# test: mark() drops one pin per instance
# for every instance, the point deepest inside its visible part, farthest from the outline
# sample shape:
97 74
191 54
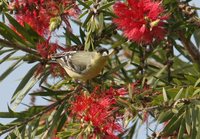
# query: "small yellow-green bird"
83 65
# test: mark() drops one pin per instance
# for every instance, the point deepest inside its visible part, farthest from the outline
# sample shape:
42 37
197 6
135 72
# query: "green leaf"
41 93
188 121
195 116
32 111
132 131
197 82
107 5
190 78
83 4
73 38
117 68
157 75
33 128
198 128
176 81
6 57
196 92
178 94
17 133
181 129
20 29
9 115
50 93
173 124
25 85
72 130
9 34
183 52
10 69
56 118
165 95
87 19
34 35
62 122
82 35
123 71
5 51
165 116
188 91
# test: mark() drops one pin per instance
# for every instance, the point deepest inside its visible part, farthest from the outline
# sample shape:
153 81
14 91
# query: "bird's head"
102 51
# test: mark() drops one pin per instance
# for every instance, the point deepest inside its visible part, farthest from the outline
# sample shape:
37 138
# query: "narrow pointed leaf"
178 94
157 75
73 38
107 5
25 85
25 80
19 28
9 34
6 57
83 4
165 95
181 129
197 83
5 51
56 118
10 69
22 93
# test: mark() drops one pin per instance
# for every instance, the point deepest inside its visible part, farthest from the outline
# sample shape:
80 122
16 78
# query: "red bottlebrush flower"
37 13
46 49
81 104
57 70
99 110
140 20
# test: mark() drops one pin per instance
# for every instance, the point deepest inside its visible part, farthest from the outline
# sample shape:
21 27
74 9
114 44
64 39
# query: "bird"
83 65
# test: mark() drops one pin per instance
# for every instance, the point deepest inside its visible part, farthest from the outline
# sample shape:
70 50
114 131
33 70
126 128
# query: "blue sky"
8 86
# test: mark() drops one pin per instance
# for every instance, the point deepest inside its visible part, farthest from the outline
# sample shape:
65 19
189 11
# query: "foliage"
152 75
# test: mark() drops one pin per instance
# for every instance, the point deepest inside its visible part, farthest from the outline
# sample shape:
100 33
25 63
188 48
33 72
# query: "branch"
190 47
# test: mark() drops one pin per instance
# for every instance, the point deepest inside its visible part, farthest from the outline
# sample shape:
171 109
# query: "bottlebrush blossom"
55 70
140 20
46 49
37 13
98 109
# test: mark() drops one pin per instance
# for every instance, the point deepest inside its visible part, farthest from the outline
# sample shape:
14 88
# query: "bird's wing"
75 60
64 54
83 58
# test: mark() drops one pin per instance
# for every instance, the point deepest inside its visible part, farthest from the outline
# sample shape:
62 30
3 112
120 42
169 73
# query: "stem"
141 60
143 56
65 19
169 55
190 47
